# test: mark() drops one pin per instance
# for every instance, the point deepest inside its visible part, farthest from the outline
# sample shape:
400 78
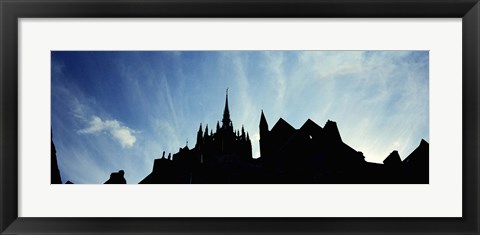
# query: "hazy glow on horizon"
121 110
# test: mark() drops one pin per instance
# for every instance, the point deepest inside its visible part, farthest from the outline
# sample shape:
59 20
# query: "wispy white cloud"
274 66
122 134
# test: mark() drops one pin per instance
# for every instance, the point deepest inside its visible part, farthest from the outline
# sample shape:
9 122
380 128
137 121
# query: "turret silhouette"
264 145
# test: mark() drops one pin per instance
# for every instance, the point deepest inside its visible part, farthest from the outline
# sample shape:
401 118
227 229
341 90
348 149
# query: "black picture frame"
12 10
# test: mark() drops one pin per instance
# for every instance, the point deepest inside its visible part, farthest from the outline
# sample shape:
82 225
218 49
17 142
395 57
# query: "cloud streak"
122 134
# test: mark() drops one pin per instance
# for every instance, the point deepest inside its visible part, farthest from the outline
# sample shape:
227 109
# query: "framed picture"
239 117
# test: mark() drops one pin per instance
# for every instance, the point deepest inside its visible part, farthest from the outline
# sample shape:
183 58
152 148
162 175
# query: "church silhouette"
308 155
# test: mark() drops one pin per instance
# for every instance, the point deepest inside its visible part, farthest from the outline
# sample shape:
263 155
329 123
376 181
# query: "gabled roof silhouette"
309 130
418 154
281 132
282 126
311 126
416 165
393 159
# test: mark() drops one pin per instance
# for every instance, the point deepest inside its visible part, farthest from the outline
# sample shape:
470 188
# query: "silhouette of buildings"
54 171
313 154
223 156
117 178
309 155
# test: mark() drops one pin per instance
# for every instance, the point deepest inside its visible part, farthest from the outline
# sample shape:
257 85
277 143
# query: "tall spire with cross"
226 122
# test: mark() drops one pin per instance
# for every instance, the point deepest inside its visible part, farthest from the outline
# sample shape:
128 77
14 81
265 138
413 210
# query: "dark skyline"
121 110
309 155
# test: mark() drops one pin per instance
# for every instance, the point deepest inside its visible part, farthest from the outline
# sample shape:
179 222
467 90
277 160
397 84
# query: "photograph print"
240 117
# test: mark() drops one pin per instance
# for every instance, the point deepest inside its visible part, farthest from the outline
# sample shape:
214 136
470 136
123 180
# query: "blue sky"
121 110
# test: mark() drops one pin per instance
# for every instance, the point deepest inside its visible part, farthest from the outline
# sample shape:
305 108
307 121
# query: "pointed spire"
243 133
263 123
199 136
226 113
218 126
265 141
206 131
